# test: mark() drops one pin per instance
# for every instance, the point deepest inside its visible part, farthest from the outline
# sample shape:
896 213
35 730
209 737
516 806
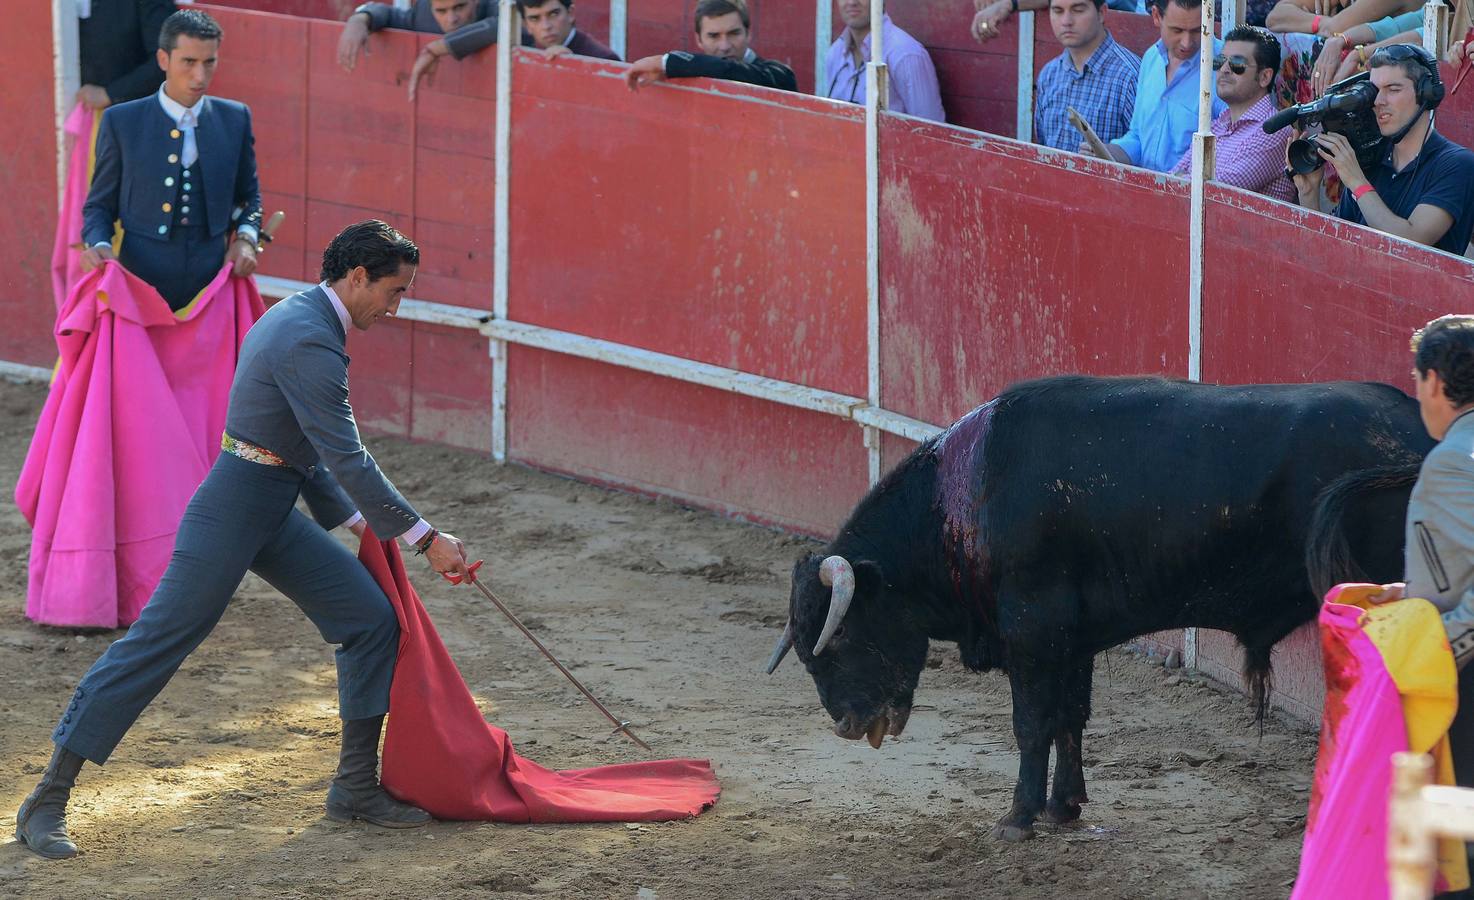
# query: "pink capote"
442 755
131 426
66 259
1390 687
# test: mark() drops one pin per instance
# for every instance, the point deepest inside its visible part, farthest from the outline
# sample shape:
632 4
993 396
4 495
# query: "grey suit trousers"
242 517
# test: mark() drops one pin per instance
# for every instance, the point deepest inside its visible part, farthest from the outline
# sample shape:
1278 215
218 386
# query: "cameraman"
1423 190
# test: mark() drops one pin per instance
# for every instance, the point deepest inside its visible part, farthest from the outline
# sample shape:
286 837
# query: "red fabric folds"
442 755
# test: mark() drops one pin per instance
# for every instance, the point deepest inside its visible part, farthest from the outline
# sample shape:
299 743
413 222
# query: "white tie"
191 149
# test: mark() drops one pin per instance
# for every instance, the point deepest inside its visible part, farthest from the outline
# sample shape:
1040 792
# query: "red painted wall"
28 184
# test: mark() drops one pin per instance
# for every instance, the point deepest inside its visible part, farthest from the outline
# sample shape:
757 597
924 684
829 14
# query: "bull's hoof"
1061 813
1013 834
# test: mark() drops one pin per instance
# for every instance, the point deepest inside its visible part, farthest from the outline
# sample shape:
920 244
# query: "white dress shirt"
421 528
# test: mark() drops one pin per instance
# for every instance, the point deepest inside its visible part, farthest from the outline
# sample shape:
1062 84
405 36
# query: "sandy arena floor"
668 615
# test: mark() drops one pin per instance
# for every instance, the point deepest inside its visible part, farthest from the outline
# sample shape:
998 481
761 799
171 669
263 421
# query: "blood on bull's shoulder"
1071 514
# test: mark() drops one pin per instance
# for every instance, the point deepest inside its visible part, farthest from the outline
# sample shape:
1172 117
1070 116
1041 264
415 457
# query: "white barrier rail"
1420 812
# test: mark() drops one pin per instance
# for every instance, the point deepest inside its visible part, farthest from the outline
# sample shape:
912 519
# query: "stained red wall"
28 184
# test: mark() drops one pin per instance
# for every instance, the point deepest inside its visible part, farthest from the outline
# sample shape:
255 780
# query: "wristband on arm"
1362 191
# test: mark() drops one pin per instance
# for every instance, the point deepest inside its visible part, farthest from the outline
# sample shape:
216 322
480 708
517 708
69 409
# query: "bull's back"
1164 487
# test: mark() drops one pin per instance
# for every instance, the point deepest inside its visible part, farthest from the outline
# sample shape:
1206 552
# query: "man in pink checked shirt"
1245 156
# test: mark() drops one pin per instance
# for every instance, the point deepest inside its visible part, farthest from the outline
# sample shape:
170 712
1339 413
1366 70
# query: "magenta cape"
81 143
442 755
130 428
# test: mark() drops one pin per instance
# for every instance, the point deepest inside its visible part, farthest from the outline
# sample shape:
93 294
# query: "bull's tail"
1328 556
1258 679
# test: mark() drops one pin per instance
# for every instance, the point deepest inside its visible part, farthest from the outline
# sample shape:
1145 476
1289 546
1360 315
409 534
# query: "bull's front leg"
1069 770
1035 714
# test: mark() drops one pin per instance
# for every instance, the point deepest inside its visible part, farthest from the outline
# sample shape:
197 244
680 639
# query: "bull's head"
856 638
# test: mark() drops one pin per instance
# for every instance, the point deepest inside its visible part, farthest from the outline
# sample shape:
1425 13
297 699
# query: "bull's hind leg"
1069 769
1036 696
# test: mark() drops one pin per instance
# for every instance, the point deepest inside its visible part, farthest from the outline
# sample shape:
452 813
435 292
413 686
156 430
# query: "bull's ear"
869 578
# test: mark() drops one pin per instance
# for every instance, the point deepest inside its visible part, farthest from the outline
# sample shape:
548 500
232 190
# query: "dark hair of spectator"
1266 47
1161 5
1413 64
374 245
539 4
712 9
1446 346
190 23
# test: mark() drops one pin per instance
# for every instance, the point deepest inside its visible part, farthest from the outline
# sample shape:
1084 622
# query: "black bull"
1071 514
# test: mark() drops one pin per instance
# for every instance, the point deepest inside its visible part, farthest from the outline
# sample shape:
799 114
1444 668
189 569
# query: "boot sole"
346 817
19 836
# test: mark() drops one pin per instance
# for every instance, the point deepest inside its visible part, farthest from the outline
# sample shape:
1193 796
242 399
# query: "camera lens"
1303 156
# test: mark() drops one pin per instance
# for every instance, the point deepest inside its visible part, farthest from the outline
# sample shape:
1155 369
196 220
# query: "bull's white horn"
835 573
785 643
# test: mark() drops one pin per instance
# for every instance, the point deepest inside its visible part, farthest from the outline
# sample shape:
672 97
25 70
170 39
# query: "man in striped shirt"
1095 76
1244 156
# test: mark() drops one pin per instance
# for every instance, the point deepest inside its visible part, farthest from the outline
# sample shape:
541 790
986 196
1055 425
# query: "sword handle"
470 570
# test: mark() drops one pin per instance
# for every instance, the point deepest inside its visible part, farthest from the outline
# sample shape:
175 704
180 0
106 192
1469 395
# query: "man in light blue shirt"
1166 112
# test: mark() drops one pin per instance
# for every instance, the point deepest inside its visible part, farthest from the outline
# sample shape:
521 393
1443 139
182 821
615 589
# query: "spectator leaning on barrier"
991 14
723 30
548 25
1095 76
116 44
1244 156
1423 190
914 89
427 16
1166 113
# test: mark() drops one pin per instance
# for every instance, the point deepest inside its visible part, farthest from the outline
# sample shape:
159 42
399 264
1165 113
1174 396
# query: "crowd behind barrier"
650 220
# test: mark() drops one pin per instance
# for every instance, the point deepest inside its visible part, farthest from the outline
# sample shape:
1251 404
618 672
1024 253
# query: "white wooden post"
1024 112
1435 27
507 29
67 75
877 98
619 27
1202 172
823 37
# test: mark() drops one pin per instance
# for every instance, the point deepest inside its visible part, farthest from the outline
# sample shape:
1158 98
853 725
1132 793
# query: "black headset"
1430 89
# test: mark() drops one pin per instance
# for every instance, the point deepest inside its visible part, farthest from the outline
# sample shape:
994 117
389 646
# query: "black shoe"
41 823
355 792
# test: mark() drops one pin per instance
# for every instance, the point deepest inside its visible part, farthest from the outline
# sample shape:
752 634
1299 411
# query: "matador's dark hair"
375 245
1446 346
190 23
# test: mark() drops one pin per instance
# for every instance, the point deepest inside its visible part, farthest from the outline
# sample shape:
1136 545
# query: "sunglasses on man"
1236 64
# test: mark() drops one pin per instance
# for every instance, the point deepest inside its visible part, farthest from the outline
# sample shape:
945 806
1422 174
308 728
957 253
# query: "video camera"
1346 109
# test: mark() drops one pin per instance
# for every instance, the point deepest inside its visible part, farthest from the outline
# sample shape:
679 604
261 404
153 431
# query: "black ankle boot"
41 823
355 793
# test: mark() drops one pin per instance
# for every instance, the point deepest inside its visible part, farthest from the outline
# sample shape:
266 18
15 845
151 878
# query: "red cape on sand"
130 428
441 755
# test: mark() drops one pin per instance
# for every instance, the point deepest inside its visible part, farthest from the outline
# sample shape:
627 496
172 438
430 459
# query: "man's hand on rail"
645 71
425 63
353 41
990 16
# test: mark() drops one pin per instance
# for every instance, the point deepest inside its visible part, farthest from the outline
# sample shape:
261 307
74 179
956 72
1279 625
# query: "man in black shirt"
116 42
1424 188
723 31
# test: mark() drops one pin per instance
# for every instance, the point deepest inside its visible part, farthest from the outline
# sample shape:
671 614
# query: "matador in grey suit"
289 431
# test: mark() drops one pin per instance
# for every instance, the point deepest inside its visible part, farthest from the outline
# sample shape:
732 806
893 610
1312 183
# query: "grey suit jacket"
290 396
1440 529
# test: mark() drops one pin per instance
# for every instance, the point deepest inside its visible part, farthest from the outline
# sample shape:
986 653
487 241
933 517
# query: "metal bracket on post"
1024 110
67 73
877 95
619 27
1435 28
507 27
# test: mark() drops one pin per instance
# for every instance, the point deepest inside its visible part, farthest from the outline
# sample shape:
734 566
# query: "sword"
620 726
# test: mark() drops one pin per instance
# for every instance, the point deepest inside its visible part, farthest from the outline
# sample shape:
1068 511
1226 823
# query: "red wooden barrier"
28 184
707 222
